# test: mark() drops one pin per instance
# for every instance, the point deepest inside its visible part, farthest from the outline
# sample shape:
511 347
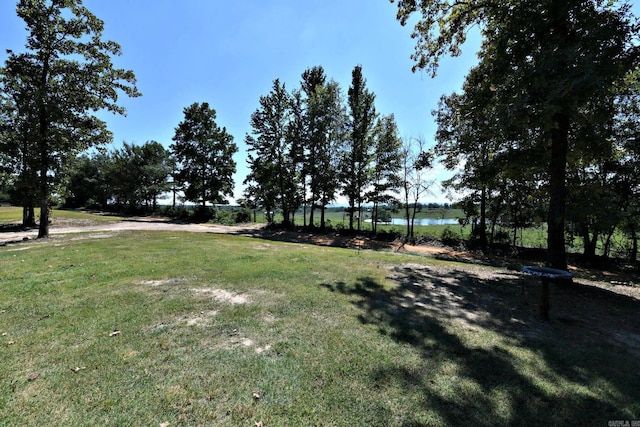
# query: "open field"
172 328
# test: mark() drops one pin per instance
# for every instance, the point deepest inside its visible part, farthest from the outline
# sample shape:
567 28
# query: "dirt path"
130 224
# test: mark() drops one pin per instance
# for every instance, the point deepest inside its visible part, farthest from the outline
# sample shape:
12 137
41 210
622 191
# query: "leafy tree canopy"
204 153
56 86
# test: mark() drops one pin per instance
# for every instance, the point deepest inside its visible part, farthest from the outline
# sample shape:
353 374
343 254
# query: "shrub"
502 238
202 214
243 215
224 217
450 237
179 213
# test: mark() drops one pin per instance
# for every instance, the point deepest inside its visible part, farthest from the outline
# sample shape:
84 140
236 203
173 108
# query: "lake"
421 221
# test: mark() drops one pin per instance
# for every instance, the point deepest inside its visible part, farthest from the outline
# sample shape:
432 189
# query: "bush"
450 237
224 217
243 215
502 238
179 213
202 214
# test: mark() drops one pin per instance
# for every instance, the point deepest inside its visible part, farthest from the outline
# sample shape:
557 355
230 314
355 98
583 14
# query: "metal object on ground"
546 275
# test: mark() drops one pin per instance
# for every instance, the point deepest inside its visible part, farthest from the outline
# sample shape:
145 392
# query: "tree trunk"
43 130
351 212
413 217
408 218
607 245
482 235
633 256
43 229
28 216
374 218
304 215
556 253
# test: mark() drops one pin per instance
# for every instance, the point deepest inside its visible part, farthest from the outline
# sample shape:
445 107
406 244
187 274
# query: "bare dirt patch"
161 282
201 319
223 296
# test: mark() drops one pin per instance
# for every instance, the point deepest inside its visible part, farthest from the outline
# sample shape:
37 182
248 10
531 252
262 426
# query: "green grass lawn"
158 328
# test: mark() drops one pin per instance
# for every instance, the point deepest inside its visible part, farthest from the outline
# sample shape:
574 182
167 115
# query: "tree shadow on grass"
486 358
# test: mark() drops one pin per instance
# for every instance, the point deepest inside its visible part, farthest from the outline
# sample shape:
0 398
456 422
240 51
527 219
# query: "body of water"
420 221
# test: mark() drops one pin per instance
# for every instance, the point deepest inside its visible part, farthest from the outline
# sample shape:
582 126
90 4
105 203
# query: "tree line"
306 147
312 144
545 128
197 167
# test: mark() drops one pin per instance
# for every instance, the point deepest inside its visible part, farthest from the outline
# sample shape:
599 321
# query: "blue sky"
228 53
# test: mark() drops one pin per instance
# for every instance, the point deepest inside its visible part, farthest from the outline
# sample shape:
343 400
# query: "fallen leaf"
114 333
34 376
77 368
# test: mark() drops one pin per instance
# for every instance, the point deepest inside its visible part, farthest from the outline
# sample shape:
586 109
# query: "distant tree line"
198 168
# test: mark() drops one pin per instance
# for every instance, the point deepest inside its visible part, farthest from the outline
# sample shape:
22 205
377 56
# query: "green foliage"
55 88
309 145
450 237
133 176
138 174
544 67
276 152
243 215
204 155
203 214
387 164
357 152
325 120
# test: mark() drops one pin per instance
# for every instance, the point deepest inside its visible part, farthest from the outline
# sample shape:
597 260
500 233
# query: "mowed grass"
157 328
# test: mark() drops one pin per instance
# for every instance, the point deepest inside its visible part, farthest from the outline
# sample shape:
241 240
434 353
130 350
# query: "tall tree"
485 149
16 146
124 174
355 170
204 154
139 174
84 183
551 57
387 164
274 153
156 167
626 137
324 133
313 79
68 69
